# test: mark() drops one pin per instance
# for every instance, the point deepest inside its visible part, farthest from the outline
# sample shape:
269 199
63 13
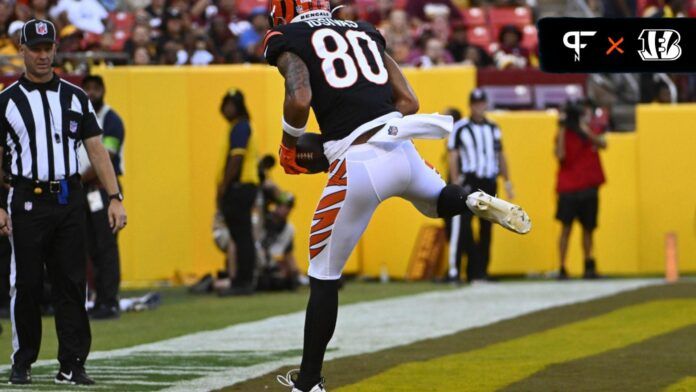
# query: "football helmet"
284 11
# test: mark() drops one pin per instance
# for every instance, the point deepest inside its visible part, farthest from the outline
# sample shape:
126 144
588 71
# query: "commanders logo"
660 45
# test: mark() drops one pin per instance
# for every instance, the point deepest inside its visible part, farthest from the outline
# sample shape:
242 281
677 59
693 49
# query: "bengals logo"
660 45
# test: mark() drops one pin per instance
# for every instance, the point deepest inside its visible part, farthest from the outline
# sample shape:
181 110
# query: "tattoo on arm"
295 73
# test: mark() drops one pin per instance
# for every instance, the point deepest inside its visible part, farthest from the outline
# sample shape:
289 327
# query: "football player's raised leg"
343 212
428 192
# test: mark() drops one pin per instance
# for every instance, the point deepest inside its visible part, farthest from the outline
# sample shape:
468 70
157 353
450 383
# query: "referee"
475 159
43 119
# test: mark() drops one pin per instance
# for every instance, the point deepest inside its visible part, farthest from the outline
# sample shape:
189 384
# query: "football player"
365 109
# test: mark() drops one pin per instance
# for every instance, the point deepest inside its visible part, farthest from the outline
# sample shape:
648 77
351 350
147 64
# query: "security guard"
43 120
238 190
102 243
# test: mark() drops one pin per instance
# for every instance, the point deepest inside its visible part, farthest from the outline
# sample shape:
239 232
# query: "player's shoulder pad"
275 43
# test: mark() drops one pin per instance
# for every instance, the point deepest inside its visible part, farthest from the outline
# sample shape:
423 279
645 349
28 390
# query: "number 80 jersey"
350 83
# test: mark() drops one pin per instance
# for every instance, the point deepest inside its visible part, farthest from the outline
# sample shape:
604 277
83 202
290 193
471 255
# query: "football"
310 153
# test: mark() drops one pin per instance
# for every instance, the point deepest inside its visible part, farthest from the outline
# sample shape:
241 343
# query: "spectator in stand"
141 56
71 43
39 9
619 8
140 38
175 31
228 10
397 29
464 52
251 37
10 47
440 27
401 51
380 12
6 13
86 15
231 53
511 54
156 11
663 9
173 53
433 55
346 11
417 8
201 54
219 34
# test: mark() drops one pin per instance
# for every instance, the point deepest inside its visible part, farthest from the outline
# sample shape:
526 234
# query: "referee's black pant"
462 235
102 248
237 203
46 232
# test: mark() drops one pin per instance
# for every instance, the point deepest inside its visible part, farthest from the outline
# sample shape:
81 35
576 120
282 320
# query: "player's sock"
320 322
452 201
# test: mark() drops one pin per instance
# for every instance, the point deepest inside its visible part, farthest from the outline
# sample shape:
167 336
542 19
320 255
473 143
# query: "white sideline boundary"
376 325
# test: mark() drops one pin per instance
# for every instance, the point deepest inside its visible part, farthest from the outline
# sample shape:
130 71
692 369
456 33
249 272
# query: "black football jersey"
350 83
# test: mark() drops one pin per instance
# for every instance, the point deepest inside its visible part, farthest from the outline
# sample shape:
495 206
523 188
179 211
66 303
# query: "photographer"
579 177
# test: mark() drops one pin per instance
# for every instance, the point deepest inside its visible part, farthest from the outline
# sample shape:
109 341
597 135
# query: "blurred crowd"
200 32
423 33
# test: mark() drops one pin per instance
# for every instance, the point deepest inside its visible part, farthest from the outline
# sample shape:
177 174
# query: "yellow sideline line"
499 365
686 384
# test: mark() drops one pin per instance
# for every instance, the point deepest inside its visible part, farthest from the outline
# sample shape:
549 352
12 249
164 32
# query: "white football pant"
365 176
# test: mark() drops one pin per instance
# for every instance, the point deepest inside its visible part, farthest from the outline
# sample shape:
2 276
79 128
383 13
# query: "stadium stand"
201 32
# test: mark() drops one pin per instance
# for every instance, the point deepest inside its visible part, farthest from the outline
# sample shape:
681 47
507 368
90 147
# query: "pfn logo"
660 45
575 44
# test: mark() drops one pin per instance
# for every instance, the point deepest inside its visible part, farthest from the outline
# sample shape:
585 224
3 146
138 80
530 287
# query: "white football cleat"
287 381
506 214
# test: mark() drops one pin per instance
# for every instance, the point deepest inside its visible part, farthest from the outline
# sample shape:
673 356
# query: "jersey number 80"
341 53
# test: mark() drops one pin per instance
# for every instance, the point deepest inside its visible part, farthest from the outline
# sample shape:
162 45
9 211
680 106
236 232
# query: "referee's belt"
46 187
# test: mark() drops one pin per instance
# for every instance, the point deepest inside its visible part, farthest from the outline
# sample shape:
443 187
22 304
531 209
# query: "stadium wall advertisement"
175 145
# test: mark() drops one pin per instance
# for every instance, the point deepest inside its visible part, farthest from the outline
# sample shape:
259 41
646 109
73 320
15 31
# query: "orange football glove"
288 161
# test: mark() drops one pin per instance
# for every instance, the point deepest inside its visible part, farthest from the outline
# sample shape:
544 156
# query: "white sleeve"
57 9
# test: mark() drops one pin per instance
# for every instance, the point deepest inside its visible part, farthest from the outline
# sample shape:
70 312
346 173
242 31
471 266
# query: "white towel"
416 126
396 128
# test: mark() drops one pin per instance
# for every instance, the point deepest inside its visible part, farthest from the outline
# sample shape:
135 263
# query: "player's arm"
298 99
298 94
405 98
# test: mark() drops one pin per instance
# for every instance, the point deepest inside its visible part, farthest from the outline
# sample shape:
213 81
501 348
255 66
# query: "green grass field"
641 339
182 314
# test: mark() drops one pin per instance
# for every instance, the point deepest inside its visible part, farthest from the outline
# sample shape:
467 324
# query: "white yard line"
372 326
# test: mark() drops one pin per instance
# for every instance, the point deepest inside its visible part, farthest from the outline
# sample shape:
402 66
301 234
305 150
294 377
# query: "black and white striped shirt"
479 146
41 125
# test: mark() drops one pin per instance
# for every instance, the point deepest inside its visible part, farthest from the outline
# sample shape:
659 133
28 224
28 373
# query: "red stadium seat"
120 38
518 16
530 38
246 6
123 21
474 16
479 36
